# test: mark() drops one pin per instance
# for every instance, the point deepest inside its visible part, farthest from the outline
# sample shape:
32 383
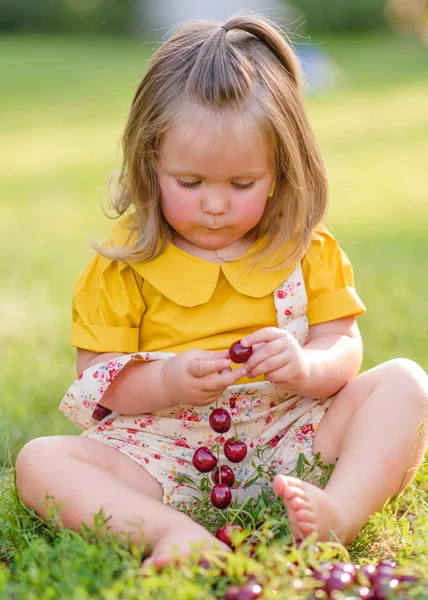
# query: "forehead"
205 140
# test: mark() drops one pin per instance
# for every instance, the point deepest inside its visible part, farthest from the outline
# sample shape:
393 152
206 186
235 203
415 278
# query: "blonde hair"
245 65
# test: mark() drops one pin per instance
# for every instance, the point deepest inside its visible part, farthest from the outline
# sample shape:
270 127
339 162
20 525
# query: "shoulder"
324 250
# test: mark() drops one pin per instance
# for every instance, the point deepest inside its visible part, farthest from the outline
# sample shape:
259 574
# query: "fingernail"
244 342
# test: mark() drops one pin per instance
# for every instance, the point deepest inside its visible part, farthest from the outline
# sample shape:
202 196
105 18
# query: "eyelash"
193 184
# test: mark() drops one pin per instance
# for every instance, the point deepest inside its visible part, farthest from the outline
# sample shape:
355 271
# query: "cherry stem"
218 462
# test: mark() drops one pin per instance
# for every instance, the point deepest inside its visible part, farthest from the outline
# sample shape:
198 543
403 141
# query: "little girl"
223 240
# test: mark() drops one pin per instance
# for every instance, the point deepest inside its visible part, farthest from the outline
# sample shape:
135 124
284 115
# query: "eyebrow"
177 171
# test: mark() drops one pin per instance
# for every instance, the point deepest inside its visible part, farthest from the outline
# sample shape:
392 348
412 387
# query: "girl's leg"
83 475
377 430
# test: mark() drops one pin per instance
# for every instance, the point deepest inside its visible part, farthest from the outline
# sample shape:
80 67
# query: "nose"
215 203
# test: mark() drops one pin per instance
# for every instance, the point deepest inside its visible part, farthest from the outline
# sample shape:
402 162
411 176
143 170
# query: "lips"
214 227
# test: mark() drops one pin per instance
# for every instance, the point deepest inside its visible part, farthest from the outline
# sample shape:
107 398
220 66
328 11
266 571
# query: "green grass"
63 102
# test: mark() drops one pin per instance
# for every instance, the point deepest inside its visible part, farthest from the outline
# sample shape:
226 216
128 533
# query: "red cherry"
224 533
100 412
220 420
232 592
337 580
239 354
387 563
249 591
235 450
203 460
221 495
407 578
227 475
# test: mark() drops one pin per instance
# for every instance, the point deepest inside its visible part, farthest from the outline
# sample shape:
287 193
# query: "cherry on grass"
227 475
224 533
238 354
248 591
221 495
204 460
235 450
220 420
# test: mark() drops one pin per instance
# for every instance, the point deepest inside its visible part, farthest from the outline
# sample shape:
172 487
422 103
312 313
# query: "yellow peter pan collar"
190 281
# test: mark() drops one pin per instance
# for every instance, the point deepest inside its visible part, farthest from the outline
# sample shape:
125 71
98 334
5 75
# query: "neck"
220 255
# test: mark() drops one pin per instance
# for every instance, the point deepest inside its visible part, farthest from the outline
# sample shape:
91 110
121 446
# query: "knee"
407 376
31 462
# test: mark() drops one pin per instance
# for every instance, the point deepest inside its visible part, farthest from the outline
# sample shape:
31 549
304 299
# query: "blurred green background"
68 72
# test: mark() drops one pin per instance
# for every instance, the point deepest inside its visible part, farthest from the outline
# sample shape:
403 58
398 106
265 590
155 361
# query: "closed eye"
243 186
188 184
193 184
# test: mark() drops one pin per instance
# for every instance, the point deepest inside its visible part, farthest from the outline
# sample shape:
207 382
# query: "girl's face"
214 174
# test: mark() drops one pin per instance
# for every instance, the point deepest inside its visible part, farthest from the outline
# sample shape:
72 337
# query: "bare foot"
310 509
183 542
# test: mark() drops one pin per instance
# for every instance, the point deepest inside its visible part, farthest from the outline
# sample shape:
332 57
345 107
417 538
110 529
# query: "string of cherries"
234 449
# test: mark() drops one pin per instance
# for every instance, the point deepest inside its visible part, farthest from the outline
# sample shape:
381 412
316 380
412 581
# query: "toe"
147 563
293 492
294 481
305 516
279 484
299 503
307 528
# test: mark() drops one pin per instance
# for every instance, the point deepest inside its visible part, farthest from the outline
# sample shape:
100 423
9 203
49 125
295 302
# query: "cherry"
383 572
387 563
203 460
227 475
369 571
382 589
249 591
238 354
344 567
100 412
224 533
221 495
235 450
337 580
220 420
407 578
232 592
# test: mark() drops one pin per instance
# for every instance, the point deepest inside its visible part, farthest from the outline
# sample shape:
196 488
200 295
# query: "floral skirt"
276 428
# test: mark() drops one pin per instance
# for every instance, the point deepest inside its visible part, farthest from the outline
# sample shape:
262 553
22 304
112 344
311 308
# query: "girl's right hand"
198 377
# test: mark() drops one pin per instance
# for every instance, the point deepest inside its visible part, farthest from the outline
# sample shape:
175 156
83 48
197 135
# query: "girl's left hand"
278 356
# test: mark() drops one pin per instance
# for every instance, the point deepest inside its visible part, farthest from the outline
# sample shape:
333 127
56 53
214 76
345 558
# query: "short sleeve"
329 281
107 306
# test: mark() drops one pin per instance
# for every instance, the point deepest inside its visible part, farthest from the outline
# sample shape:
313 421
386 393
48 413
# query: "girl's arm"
125 395
334 353
194 377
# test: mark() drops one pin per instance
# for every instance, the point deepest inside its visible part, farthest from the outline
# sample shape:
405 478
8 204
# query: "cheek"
177 205
252 210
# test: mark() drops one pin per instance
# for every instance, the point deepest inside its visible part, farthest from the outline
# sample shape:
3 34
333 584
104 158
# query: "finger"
208 354
220 381
273 363
200 368
267 334
287 375
278 346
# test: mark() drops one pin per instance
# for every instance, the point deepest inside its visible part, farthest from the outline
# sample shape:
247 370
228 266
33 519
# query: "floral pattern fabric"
276 426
